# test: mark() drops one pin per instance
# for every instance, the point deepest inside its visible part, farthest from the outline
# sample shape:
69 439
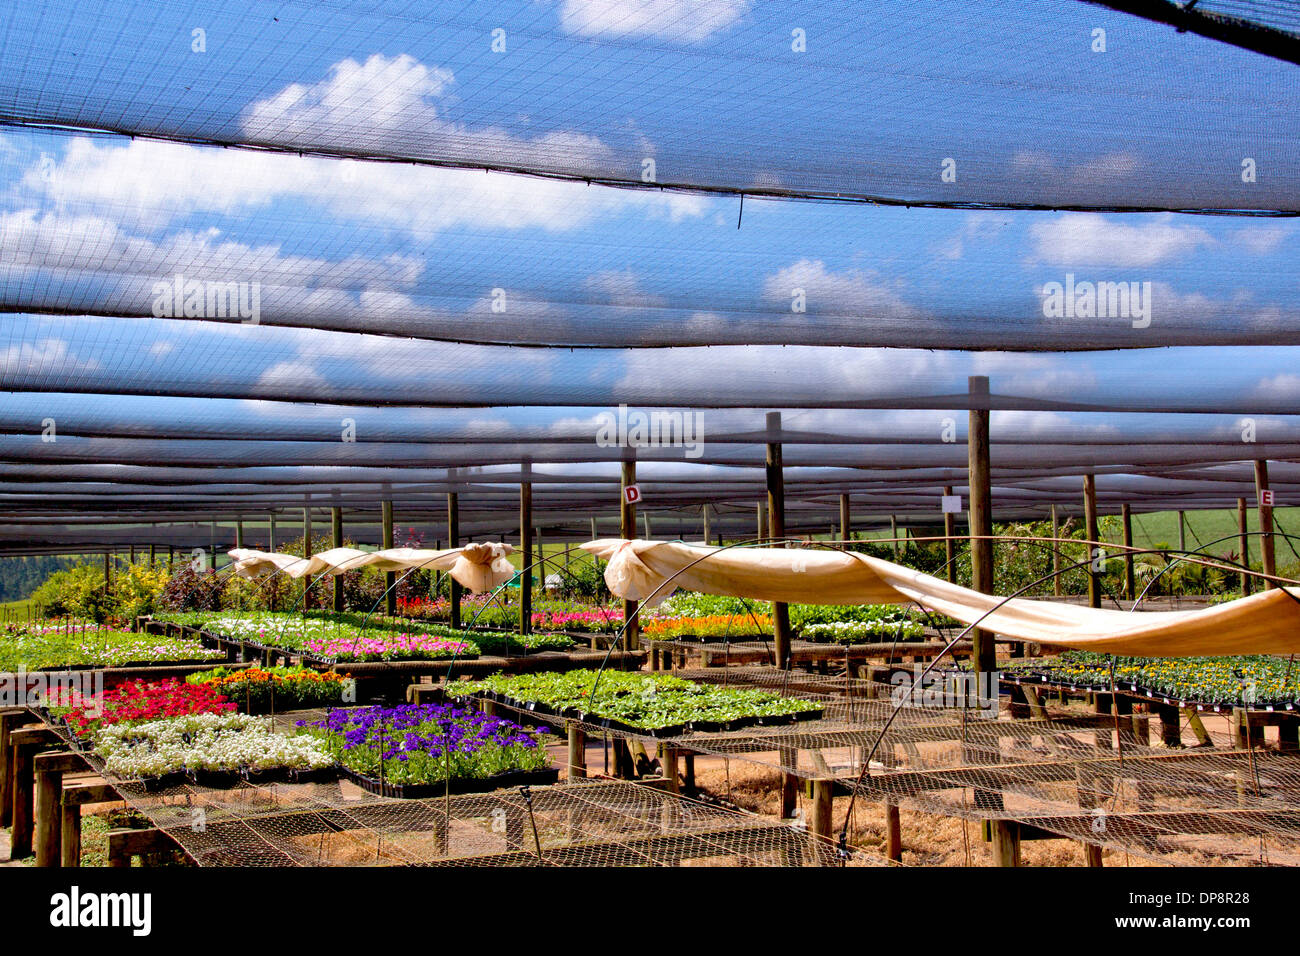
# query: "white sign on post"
631 494
1266 498
951 504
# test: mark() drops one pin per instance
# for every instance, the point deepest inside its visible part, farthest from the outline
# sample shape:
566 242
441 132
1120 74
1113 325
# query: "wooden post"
49 768
20 834
789 782
453 541
153 553
820 826
762 525
984 651
525 548
239 537
1182 532
1170 725
627 531
577 750
390 577
71 837
9 720
270 533
1094 549
893 534
1056 554
950 539
108 571
306 532
1006 842
1265 522
1130 578
776 532
893 833
336 530
1244 544
705 515
846 519
670 771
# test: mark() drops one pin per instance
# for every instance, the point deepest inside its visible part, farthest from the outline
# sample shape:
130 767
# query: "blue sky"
93 222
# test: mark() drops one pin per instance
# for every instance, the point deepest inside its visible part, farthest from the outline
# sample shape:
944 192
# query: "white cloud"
840 293
388 106
621 287
687 21
293 375
160 183
1261 239
1075 240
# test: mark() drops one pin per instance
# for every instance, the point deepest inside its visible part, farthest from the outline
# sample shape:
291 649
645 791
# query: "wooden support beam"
1243 543
1266 548
336 537
10 720
1182 531
670 770
627 531
239 538
1006 842
1093 534
782 635
1056 554
846 519
390 577
577 766
453 541
70 838
21 818
1130 578
761 535
820 824
124 844
270 532
525 549
950 539
981 514
307 551
48 830
789 757
893 833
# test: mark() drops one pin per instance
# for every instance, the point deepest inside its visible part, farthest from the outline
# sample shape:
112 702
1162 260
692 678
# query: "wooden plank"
124 844
59 761
33 736
80 795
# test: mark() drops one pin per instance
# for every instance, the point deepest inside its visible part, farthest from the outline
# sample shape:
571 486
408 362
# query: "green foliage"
1248 680
647 701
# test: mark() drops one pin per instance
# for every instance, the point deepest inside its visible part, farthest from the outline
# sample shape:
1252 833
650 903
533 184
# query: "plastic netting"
583 822
1104 779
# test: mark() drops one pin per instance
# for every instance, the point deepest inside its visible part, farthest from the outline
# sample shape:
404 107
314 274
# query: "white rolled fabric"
1264 623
